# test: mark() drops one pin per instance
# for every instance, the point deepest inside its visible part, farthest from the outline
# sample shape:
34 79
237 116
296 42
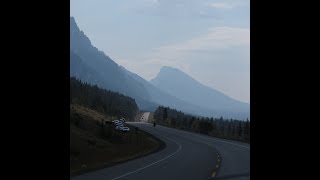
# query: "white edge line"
153 162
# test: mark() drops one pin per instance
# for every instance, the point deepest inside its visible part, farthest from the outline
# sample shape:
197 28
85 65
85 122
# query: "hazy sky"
207 39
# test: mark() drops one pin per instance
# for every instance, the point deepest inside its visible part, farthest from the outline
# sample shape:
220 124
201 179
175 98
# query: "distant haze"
172 87
207 39
181 85
177 83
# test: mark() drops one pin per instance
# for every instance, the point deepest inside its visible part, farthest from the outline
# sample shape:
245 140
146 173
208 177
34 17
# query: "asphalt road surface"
145 117
186 156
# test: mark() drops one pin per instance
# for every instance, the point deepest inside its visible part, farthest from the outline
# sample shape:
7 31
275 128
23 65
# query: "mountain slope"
93 66
79 69
165 99
179 84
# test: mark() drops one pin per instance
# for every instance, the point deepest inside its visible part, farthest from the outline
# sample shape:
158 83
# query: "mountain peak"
74 29
72 19
169 69
73 22
170 72
179 84
78 40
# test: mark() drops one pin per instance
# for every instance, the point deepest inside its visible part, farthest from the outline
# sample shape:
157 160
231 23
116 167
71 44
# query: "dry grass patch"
94 144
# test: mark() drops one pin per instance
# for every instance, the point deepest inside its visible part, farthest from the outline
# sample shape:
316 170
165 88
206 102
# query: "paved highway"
145 117
186 156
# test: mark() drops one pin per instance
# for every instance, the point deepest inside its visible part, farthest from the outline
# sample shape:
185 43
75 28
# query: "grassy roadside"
94 144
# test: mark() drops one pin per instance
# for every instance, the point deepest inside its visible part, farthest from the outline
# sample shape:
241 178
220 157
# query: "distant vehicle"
122 128
118 127
118 124
125 129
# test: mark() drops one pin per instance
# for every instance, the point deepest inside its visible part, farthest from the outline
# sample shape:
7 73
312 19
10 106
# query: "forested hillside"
218 127
104 101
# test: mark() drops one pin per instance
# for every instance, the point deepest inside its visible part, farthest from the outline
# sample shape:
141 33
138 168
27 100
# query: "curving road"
186 156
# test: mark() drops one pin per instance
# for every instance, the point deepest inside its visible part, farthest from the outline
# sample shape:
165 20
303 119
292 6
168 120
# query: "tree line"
101 100
217 127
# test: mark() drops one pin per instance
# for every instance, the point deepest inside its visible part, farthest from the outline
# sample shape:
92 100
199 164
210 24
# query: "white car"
118 124
119 128
125 129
